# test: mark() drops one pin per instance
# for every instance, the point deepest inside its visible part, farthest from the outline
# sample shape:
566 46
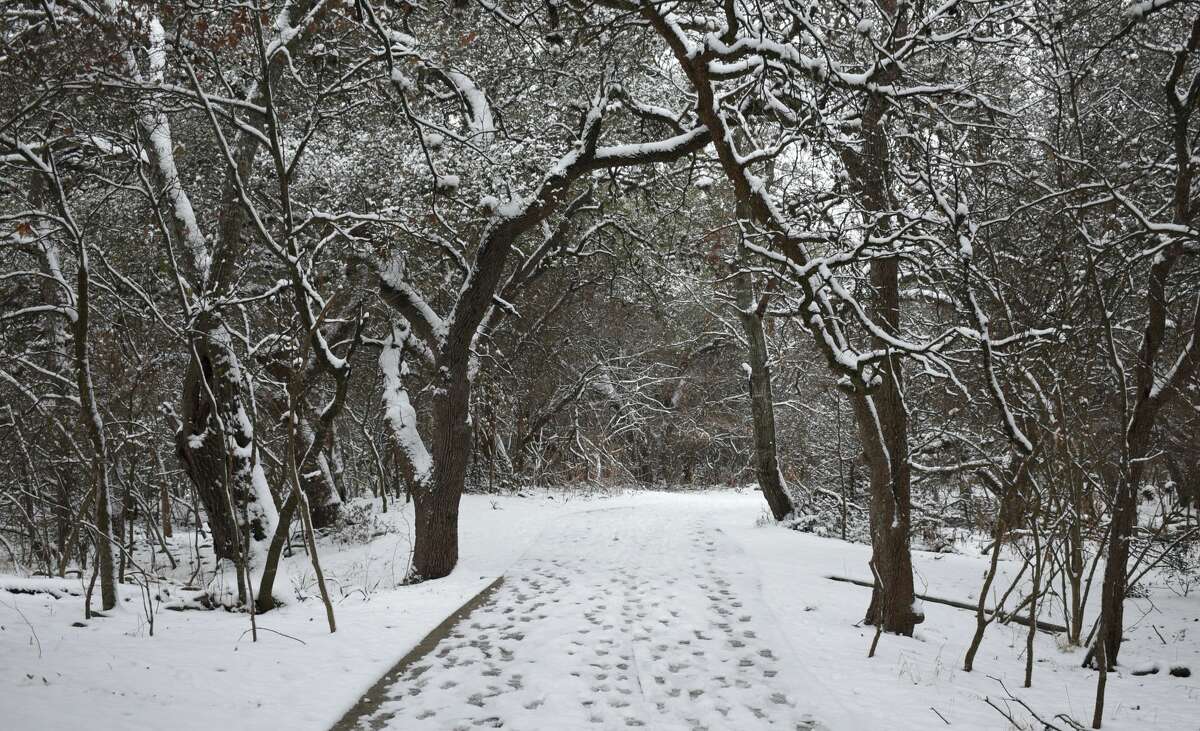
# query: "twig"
17 609
267 629
1160 637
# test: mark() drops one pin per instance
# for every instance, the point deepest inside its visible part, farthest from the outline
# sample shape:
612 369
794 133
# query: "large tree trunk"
762 402
435 551
882 416
883 428
216 447
316 474
1124 518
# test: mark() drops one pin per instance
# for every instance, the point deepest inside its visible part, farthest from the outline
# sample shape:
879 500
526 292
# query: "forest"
874 322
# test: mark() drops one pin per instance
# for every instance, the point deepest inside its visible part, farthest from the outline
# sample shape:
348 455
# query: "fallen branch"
1042 626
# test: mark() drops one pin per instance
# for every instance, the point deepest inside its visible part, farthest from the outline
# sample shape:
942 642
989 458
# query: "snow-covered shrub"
359 523
827 522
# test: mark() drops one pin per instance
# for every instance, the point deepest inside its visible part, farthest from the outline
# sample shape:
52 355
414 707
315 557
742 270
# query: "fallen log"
1042 626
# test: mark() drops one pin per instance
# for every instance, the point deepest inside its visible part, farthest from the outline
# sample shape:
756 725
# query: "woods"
925 274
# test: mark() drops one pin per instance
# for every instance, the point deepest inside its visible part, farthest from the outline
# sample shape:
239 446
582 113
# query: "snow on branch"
399 412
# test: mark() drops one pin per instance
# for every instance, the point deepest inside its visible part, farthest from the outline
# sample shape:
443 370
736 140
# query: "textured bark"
213 408
322 494
1150 395
762 402
886 419
215 443
316 474
265 600
94 425
164 508
890 474
435 550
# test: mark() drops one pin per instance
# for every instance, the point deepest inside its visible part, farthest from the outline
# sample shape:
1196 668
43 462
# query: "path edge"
371 699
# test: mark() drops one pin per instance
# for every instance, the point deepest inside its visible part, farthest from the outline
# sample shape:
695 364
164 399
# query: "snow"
646 607
203 666
683 641
400 414
1140 10
476 102
401 80
403 40
157 130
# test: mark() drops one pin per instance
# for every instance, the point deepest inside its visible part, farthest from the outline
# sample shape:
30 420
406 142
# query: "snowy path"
614 618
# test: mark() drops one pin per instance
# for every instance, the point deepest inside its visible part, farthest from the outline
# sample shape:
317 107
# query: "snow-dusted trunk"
217 444
216 441
57 359
217 449
94 425
1139 446
321 491
1152 390
316 473
434 480
882 415
762 403
884 422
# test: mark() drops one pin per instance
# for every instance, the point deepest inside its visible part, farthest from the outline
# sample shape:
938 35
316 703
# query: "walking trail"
614 618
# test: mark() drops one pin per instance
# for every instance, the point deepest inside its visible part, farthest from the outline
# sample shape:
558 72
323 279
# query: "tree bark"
94 424
882 416
1150 394
435 550
762 401
890 473
215 445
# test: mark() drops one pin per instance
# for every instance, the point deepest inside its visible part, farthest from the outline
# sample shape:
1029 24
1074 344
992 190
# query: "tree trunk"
762 402
883 427
316 476
882 416
94 424
164 495
322 494
1149 398
217 450
435 550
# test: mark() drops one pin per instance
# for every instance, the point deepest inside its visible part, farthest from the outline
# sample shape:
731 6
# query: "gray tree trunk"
762 400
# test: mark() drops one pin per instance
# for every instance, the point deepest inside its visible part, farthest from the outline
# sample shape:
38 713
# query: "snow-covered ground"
663 609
